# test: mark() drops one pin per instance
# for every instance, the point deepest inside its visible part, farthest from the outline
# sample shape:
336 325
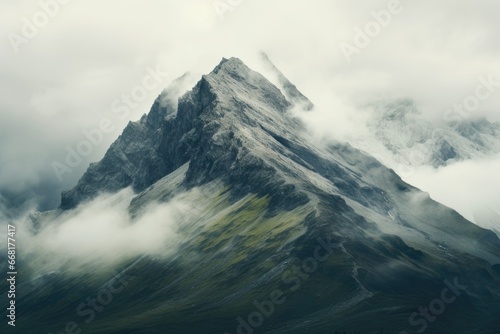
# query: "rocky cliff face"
210 126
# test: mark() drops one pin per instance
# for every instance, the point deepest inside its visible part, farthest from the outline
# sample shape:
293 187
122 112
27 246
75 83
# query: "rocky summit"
288 235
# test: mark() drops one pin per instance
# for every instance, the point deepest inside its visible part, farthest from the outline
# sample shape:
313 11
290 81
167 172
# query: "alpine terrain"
399 132
403 139
285 235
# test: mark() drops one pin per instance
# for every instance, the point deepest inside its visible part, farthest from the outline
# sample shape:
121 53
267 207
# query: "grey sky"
65 78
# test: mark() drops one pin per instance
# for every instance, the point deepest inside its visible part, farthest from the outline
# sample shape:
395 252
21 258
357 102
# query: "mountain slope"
334 238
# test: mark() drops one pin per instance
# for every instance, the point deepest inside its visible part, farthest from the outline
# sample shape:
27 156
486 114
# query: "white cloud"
102 234
65 78
470 187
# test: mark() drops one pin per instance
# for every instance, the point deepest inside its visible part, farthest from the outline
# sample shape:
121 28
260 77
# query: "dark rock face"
446 152
205 128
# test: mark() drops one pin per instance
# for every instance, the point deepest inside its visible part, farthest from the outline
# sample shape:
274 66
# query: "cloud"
102 234
65 78
470 187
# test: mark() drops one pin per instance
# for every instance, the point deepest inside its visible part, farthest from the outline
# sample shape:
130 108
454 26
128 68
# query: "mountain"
404 140
286 235
399 132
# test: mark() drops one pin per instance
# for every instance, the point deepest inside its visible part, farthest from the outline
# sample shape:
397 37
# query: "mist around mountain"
408 138
455 160
217 212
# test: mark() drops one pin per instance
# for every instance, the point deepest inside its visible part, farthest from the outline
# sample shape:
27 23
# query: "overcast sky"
62 75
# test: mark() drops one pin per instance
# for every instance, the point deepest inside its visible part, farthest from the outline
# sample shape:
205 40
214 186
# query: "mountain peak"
234 68
231 101
241 75
289 89
237 87
230 64
399 109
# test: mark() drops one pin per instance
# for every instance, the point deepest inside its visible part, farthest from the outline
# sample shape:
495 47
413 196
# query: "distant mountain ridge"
408 138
